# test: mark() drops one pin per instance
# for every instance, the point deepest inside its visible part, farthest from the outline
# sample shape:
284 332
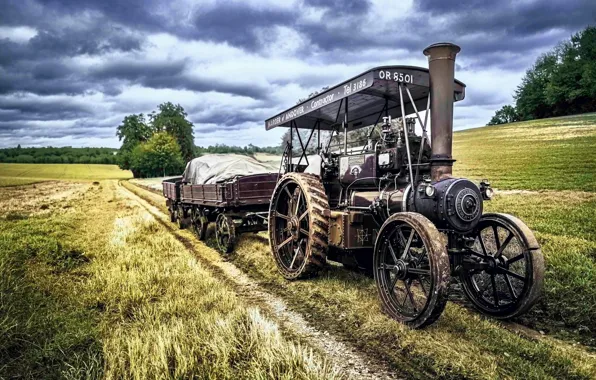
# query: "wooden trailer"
237 205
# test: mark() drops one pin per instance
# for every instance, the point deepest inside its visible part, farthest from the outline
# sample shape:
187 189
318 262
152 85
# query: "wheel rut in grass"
343 355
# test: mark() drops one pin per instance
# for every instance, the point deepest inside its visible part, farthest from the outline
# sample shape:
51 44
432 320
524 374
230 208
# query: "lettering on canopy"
326 98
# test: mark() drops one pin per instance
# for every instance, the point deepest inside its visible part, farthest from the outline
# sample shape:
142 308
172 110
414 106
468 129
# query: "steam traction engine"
391 204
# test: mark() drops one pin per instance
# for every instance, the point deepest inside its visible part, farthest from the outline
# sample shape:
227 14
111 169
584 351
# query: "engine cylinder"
456 204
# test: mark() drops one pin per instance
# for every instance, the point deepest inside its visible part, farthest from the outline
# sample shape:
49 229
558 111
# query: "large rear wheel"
411 269
512 273
298 227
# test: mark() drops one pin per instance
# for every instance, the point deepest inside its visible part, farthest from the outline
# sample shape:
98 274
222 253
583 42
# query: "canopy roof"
366 95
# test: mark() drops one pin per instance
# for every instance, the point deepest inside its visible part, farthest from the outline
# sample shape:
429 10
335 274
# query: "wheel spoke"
512 274
419 271
387 267
510 286
304 214
496 233
482 244
283 243
296 251
303 231
516 258
495 295
504 245
280 215
411 296
298 201
401 235
421 285
408 244
392 251
288 192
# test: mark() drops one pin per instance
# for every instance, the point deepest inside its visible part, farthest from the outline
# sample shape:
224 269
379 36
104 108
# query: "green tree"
159 156
505 115
562 81
132 132
172 119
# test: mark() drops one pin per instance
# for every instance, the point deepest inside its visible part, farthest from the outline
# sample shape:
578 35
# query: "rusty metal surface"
441 63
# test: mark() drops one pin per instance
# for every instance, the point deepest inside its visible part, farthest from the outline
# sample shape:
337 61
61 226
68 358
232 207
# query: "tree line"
63 155
561 82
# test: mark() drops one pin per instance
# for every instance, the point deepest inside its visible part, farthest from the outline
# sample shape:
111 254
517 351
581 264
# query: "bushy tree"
172 119
562 81
505 115
132 132
159 156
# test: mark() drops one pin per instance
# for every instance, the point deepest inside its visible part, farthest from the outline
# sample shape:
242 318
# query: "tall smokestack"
441 64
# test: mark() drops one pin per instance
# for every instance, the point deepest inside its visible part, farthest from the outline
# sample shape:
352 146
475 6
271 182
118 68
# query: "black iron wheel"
199 223
514 267
411 269
172 211
225 233
298 227
181 217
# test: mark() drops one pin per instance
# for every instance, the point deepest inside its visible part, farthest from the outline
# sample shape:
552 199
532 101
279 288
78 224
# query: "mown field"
550 154
93 285
22 174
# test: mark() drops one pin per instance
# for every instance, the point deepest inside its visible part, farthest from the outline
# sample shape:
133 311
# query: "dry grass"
138 305
462 344
22 174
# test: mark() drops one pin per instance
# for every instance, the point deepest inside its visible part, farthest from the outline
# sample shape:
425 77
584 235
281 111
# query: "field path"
342 354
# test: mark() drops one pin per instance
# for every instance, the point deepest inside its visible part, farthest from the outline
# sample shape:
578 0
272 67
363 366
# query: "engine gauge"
384 159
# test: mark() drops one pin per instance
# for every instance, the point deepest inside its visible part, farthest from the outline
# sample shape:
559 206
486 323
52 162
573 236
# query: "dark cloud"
237 23
85 47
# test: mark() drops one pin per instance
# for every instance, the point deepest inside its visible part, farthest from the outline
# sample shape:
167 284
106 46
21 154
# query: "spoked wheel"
172 212
180 217
510 278
411 269
199 223
298 228
225 233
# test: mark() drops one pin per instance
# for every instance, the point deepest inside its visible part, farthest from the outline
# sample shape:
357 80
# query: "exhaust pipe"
441 65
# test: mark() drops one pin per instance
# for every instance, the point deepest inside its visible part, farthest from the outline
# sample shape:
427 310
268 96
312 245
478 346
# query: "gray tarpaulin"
214 168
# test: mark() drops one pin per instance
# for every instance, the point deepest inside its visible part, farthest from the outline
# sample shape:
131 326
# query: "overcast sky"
70 70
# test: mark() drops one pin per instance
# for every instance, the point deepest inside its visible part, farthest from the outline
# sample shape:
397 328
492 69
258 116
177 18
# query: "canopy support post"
403 118
345 125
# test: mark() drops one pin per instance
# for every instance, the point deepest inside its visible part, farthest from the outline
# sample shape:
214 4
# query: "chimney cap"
454 48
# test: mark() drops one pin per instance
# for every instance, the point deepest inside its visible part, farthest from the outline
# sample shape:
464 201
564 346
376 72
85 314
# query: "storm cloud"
70 70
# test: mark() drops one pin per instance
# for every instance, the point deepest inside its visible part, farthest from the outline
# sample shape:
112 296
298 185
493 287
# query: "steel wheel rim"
222 231
404 271
291 227
503 287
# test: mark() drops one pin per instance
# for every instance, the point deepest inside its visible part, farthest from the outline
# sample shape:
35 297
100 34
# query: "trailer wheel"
512 282
199 223
225 233
181 218
298 227
172 214
411 269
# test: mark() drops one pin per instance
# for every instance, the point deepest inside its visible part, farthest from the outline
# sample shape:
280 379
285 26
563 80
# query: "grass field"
92 285
107 292
550 154
462 344
22 174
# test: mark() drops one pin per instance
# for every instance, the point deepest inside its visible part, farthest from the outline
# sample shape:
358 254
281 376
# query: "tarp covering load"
214 168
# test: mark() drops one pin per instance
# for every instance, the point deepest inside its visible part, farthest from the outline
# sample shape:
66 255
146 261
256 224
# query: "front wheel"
509 267
411 269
